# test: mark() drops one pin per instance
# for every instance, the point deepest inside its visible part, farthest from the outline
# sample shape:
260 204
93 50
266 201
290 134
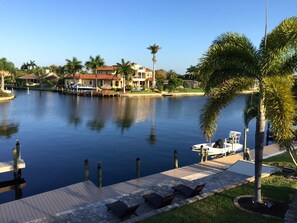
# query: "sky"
51 31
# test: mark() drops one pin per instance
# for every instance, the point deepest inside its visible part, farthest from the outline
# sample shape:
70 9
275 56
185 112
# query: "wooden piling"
201 154
87 172
244 144
15 163
175 157
99 175
205 154
137 167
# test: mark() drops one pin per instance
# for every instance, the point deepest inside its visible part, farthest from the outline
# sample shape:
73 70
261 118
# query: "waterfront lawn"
220 206
190 90
282 160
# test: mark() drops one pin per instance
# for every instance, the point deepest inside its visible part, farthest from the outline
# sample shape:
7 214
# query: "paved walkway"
213 173
291 215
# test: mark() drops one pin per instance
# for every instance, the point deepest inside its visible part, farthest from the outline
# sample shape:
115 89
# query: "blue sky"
50 31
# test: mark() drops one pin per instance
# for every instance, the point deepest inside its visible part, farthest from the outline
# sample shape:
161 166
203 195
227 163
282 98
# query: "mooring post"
201 154
99 175
175 156
87 172
246 130
205 154
18 149
137 167
15 163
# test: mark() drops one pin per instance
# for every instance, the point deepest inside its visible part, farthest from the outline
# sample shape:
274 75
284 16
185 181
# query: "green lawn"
282 160
220 207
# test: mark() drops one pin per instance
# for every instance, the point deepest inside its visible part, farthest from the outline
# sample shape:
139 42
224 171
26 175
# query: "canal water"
58 132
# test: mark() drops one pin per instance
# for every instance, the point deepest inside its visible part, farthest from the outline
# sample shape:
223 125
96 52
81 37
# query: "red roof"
93 77
149 79
107 68
147 69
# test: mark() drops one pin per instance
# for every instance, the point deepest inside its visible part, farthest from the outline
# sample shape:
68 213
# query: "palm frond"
231 55
281 39
280 107
251 108
218 100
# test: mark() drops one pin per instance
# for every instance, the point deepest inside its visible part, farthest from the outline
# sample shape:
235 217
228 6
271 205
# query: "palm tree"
125 70
94 63
73 66
232 64
154 49
40 73
31 64
6 69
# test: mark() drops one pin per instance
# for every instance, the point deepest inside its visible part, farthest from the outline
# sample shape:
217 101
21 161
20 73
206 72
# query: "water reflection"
74 111
7 129
152 136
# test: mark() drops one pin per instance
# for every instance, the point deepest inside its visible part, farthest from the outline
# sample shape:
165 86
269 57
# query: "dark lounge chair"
120 209
187 191
157 201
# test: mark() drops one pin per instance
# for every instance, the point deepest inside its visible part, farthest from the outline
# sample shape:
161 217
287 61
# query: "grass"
282 160
189 90
4 94
220 207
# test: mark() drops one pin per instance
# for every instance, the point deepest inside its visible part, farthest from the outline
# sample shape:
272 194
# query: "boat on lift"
224 147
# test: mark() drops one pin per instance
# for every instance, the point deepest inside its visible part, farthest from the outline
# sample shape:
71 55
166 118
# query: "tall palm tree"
125 70
233 64
154 49
73 66
6 68
94 63
31 64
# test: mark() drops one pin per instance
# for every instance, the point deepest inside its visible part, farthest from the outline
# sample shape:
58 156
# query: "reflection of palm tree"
152 137
126 117
96 125
7 129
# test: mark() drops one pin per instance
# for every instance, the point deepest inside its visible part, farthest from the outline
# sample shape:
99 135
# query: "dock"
86 202
8 166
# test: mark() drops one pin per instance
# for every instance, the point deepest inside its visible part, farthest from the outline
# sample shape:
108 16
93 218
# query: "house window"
116 83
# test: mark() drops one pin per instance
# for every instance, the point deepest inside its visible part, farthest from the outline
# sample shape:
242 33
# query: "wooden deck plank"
8 166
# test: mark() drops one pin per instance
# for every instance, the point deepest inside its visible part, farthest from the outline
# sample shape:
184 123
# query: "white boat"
221 147
80 87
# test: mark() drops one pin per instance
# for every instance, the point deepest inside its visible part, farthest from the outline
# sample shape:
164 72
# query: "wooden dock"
51 203
8 166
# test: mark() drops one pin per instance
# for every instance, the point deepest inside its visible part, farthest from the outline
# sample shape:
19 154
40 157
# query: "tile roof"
93 77
107 68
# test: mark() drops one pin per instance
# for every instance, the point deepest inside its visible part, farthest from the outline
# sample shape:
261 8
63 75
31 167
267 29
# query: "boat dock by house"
87 202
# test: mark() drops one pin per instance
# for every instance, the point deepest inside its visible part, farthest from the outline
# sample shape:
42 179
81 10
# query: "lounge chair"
187 191
157 201
120 209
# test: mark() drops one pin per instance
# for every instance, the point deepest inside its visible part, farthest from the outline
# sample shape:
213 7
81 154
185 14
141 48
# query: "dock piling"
246 130
137 167
87 172
175 157
201 154
99 175
16 152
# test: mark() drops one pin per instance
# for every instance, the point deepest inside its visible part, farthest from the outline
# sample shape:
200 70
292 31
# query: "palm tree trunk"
2 82
259 145
154 75
293 154
124 87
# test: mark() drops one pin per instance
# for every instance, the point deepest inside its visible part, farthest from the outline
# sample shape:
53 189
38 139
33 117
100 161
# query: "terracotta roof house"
142 77
92 79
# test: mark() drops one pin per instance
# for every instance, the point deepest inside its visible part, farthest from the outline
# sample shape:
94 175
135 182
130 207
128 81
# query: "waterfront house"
142 77
34 80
